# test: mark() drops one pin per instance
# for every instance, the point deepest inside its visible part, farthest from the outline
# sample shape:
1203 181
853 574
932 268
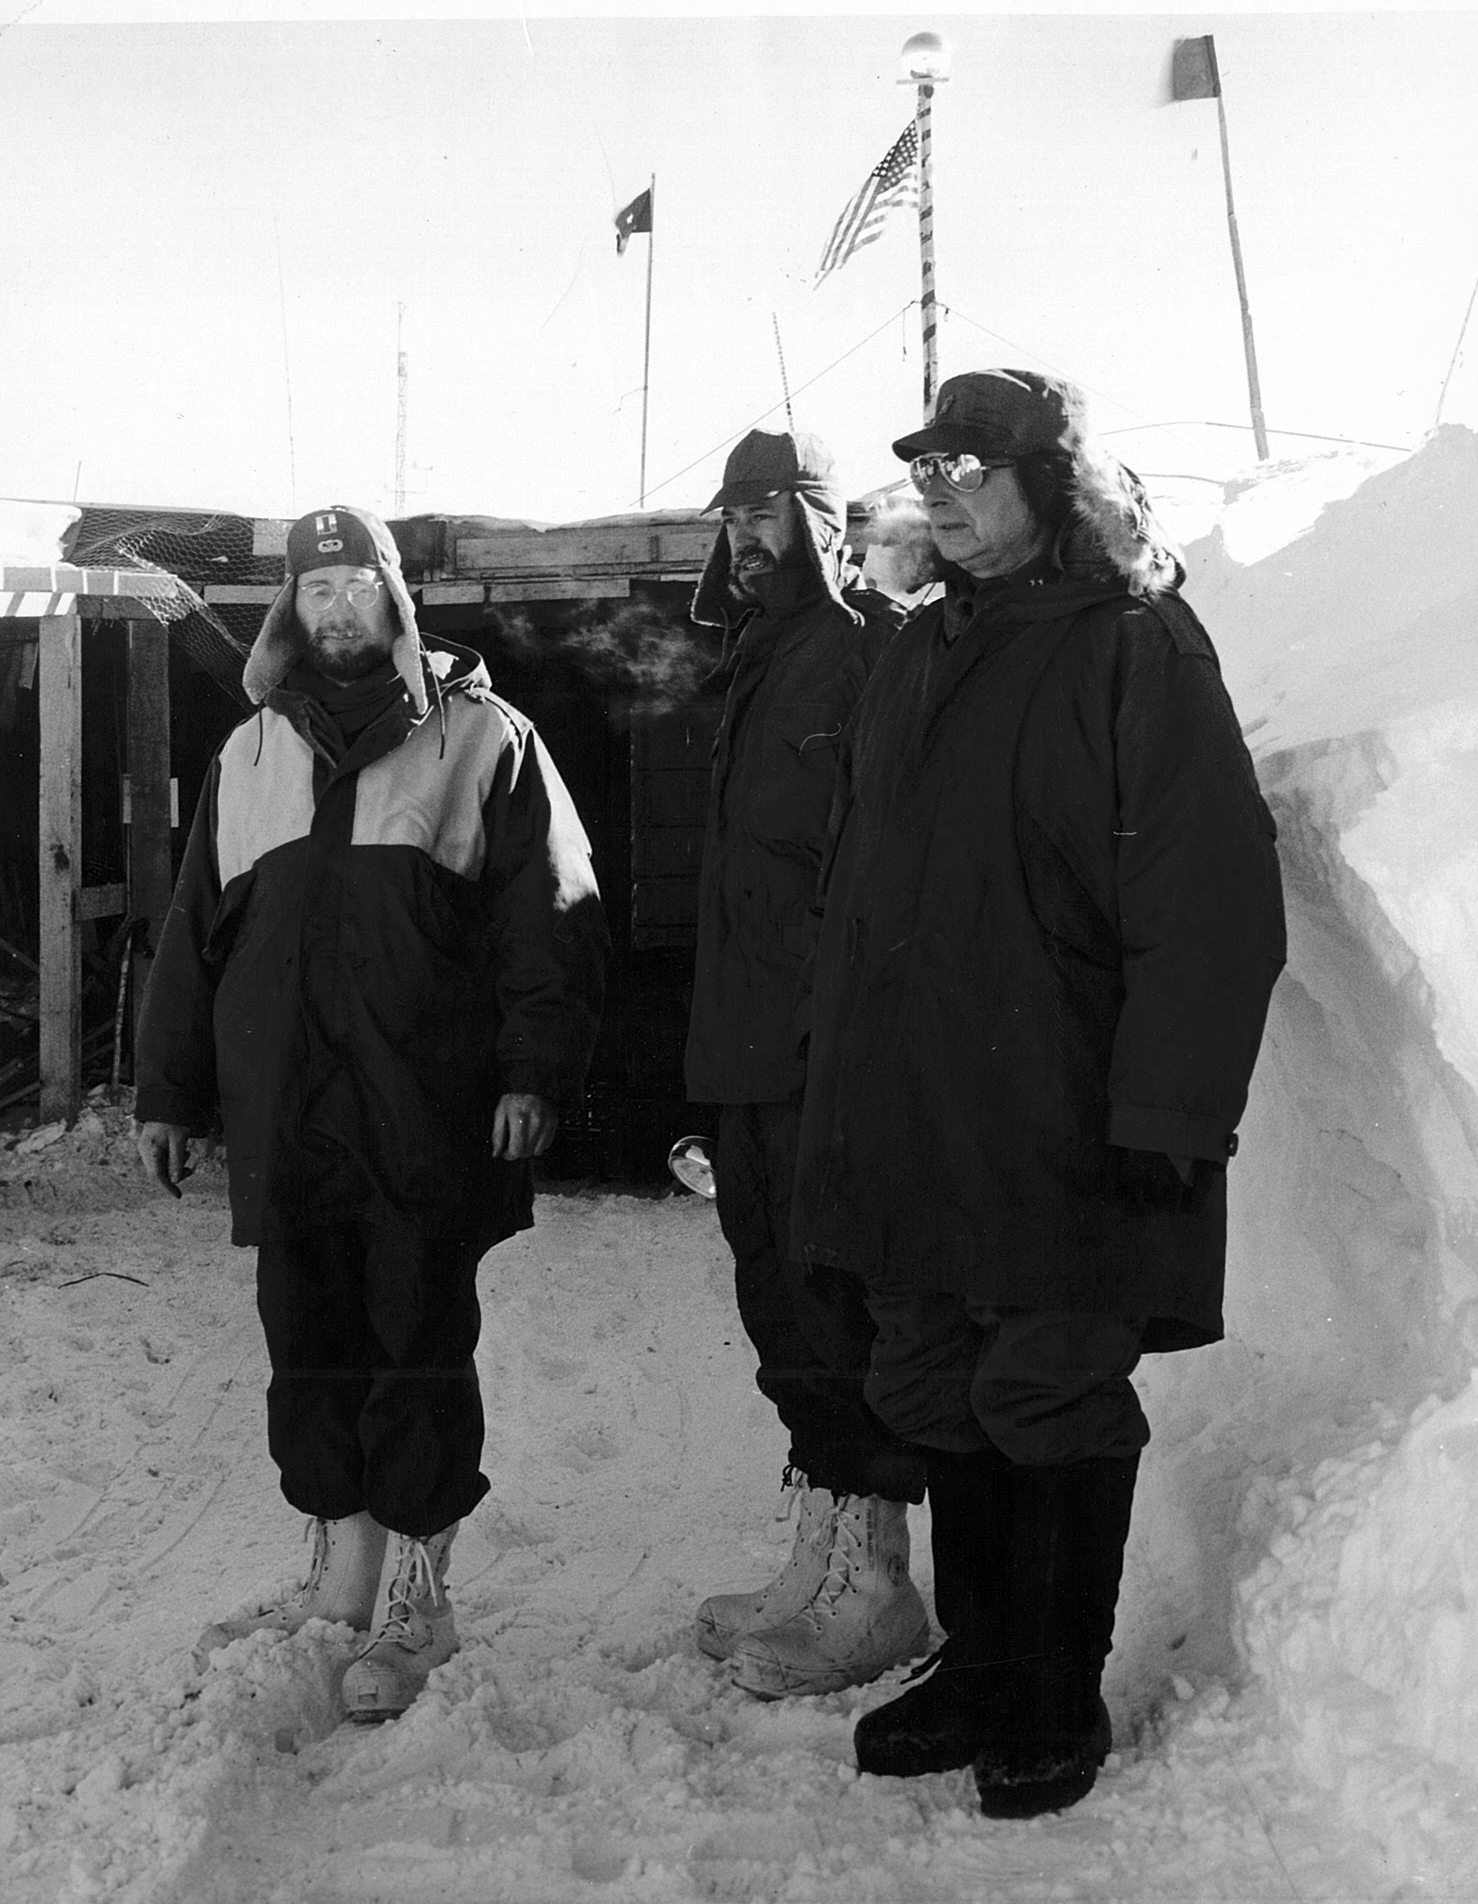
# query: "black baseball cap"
325 538
997 415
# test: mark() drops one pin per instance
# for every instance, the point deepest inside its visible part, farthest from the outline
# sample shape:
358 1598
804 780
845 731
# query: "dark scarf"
335 713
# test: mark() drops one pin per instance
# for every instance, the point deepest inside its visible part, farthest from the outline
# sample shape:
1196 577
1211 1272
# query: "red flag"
1193 73
637 216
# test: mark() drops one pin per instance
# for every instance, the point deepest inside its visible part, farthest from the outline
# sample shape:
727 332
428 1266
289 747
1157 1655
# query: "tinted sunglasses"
960 472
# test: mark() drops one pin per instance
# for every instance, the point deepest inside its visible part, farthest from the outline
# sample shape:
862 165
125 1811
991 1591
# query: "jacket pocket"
795 776
806 726
1064 908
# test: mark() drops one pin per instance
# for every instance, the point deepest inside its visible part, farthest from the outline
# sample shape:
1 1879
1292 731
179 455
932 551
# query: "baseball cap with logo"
324 538
997 415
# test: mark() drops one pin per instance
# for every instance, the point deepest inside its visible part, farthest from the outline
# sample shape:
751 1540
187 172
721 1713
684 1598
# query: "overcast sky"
211 229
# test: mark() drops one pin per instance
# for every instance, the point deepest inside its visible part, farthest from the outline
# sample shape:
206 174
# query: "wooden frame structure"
58 598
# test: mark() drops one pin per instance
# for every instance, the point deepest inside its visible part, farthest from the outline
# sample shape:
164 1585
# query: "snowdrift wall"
1312 1494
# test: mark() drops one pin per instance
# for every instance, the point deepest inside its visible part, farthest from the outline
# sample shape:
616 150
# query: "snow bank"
1295 1681
1337 1428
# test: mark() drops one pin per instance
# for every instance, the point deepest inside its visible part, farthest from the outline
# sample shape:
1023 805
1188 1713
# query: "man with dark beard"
383 964
800 638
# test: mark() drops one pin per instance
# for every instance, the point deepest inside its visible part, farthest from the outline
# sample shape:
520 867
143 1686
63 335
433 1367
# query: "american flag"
892 182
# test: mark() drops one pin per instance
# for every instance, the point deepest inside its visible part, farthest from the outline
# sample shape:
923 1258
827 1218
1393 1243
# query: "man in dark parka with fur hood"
1052 923
800 638
383 963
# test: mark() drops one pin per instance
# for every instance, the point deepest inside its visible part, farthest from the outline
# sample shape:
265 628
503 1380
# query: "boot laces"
318 1531
846 1551
415 1580
795 1485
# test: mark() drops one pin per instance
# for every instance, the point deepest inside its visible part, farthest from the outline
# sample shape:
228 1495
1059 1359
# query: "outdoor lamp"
926 60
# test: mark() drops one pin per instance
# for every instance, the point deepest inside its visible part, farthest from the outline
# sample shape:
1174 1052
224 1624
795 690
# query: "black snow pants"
809 1327
373 1402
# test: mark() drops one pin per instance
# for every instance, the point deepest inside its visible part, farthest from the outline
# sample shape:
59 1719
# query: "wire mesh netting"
192 550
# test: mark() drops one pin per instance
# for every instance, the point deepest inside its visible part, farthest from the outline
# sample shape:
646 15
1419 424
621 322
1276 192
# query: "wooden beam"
238 592
103 902
569 588
59 683
451 594
64 578
617 548
150 867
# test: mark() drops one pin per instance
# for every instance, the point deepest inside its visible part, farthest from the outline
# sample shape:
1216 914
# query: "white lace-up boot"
865 1615
727 1618
413 1628
344 1577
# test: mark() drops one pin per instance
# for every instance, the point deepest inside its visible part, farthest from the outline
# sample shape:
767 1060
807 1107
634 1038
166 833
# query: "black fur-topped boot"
944 1720
1052 1731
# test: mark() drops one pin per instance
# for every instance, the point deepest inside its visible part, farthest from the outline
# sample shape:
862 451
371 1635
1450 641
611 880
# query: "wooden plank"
60 865
616 549
242 591
569 588
150 870
680 740
123 607
666 852
673 797
30 605
663 938
664 902
66 578
102 902
450 594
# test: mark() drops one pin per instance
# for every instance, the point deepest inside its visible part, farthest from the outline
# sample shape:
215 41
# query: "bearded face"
347 620
764 538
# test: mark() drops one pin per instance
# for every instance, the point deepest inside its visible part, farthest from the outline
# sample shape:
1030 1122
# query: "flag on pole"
1193 73
637 216
892 182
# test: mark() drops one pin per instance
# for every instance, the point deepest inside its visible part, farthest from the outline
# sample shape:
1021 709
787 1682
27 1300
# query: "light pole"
926 61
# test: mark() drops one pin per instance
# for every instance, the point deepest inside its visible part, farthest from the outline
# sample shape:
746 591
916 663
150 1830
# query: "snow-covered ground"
1295 1681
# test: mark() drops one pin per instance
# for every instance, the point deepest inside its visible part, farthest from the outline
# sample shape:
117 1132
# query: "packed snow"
1295 1680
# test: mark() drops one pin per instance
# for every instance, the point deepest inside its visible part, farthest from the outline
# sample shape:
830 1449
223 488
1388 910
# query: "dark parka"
790 680
1052 923
363 955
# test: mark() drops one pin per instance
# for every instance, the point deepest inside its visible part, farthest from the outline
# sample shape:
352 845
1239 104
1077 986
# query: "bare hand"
523 1126
164 1151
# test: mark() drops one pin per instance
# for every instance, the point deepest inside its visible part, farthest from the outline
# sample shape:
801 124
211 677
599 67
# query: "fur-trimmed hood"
1111 533
279 646
1112 528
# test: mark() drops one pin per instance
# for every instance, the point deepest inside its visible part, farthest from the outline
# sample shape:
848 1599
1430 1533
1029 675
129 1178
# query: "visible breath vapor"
654 663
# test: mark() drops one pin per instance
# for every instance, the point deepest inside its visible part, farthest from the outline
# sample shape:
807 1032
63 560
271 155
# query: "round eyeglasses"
358 594
964 471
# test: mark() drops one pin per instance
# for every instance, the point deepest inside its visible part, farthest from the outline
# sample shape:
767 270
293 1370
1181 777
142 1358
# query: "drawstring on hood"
448 668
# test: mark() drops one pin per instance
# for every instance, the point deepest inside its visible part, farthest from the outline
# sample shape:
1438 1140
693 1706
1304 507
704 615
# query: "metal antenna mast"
402 378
